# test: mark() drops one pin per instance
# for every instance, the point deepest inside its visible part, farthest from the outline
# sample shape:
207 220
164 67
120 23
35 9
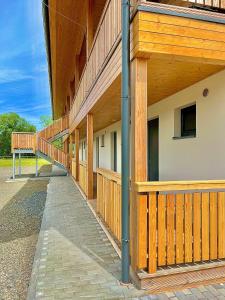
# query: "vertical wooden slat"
152 220
221 224
170 230
142 231
188 228
213 225
205 226
119 214
161 229
179 228
197 226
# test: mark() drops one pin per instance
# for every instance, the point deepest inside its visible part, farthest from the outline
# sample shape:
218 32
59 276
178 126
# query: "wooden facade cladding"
156 34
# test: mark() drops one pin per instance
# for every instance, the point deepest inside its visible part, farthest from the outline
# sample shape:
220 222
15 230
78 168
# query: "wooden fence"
23 140
52 152
107 33
109 199
83 176
55 128
180 223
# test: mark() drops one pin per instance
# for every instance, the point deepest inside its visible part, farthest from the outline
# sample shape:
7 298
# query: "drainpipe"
125 113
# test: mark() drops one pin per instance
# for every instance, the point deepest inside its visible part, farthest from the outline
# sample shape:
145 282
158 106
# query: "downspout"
125 114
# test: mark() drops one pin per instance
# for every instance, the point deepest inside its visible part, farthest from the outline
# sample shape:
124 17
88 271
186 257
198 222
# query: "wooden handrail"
179 185
109 174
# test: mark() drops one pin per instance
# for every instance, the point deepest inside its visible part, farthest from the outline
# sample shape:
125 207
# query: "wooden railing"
73 167
54 153
55 128
107 34
109 199
23 140
180 223
83 176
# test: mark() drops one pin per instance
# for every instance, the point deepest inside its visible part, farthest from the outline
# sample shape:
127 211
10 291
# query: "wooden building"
177 204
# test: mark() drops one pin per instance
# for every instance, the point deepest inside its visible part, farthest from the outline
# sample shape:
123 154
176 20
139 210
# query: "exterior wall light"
205 92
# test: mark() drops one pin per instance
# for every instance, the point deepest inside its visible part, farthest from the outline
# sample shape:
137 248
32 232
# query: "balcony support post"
71 142
139 151
90 156
14 165
36 170
19 164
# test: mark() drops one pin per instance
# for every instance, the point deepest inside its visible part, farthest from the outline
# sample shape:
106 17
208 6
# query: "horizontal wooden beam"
161 186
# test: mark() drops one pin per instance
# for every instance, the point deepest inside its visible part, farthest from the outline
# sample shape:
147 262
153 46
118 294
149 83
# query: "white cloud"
12 75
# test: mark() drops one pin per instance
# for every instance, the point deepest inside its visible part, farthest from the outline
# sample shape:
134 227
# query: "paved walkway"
74 259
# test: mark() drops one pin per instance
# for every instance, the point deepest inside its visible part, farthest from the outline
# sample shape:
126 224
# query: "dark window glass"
97 152
188 121
115 151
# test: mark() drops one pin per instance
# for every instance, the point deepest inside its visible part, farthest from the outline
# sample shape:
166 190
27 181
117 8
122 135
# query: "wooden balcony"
180 230
163 31
171 36
106 40
23 140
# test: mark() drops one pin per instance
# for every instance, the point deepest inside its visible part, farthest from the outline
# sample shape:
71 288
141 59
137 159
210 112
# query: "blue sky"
24 84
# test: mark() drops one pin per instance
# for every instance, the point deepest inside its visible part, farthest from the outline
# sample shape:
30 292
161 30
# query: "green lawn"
25 162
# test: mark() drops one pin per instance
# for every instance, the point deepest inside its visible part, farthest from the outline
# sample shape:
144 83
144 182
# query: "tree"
10 122
45 121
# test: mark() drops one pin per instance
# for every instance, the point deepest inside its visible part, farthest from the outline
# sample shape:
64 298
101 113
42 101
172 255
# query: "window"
114 151
188 121
103 141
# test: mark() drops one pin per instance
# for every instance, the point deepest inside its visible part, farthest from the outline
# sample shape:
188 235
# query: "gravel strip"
21 209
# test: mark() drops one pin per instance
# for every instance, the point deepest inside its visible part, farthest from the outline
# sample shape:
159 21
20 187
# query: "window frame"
184 133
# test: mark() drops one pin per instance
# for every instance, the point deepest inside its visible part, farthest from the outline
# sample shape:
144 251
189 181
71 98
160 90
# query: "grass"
25 162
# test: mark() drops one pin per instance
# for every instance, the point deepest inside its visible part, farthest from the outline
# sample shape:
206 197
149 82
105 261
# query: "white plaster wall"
105 152
202 157
197 158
